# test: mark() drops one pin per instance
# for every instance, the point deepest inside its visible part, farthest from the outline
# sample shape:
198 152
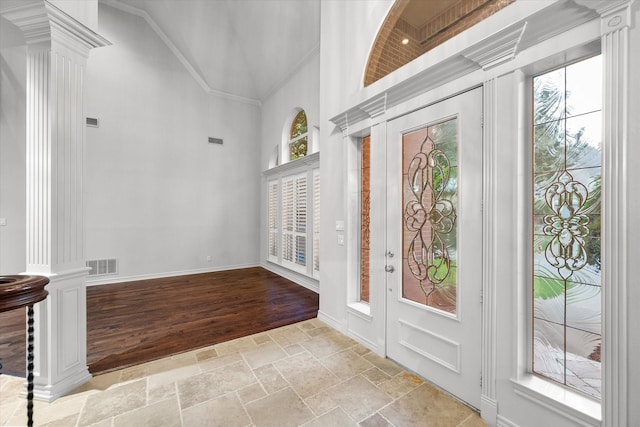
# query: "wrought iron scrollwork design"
429 216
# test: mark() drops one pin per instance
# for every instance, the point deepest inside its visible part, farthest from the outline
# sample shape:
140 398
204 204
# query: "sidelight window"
567 169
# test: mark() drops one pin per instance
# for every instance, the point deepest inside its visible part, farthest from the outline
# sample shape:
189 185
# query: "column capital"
615 16
43 23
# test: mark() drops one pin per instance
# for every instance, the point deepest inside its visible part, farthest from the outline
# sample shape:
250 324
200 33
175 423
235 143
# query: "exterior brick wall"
365 212
389 54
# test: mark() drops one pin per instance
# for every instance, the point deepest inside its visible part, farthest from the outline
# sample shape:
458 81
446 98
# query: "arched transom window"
298 136
413 27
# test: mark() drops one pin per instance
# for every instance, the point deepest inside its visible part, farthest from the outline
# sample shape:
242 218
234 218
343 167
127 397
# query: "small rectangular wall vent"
102 267
92 121
215 140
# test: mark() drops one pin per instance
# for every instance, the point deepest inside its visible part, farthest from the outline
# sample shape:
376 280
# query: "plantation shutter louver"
294 220
316 221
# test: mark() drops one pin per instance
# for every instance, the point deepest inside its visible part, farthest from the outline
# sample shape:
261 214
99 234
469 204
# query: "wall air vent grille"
93 122
103 267
215 140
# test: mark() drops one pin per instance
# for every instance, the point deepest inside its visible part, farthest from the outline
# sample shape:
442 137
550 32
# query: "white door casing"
434 242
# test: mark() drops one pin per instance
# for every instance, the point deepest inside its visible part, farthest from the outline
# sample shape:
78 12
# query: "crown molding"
116 4
42 22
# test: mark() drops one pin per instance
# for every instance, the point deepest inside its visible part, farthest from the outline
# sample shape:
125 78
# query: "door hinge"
481 296
480 380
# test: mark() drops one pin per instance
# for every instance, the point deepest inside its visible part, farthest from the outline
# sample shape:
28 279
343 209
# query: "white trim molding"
615 23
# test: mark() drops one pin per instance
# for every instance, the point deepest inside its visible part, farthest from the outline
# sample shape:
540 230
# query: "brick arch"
388 53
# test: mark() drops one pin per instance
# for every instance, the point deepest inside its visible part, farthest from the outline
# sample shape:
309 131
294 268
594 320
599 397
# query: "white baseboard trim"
489 410
301 279
503 422
364 341
115 279
332 321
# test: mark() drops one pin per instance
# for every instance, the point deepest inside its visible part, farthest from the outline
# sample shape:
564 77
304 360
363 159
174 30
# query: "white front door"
434 243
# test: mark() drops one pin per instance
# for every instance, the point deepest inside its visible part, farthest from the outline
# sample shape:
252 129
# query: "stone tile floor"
306 374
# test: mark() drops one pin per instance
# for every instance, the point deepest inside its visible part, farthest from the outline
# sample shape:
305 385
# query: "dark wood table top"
21 290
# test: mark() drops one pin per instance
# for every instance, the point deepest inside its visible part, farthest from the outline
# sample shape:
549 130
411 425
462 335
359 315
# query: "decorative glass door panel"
429 211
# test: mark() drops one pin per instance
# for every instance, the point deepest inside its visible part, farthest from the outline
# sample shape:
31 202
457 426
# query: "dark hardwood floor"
135 322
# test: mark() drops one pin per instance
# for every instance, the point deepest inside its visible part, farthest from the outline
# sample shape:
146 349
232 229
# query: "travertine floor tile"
45 412
327 344
300 375
63 422
220 361
264 355
346 364
270 378
400 385
426 406
262 338
376 376
306 374
473 420
358 397
172 375
236 346
385 365
114 401
281 409
164 413
336 417
161 392
320 403
225 411
288 335
375 420
212 384
206 353
251 392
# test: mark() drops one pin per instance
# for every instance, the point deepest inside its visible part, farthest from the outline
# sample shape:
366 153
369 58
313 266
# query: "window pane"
584 94
298 148
548 97
566 226
299 125
584 135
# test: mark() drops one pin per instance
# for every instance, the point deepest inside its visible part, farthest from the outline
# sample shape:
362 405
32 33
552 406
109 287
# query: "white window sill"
561 400
310 160
361 309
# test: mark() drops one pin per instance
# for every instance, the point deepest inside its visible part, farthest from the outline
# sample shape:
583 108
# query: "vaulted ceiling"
244 48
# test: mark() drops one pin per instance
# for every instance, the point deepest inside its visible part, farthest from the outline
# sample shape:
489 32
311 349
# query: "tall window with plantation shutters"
294 222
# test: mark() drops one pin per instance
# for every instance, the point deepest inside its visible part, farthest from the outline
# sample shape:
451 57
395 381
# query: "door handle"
389 254
389 268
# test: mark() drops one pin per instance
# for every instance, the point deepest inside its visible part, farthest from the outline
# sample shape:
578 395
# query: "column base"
50 392
489 410
60 344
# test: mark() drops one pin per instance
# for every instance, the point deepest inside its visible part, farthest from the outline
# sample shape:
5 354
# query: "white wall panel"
159 197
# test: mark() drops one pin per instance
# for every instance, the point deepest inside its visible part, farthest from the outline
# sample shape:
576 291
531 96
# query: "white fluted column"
57 50
615 22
